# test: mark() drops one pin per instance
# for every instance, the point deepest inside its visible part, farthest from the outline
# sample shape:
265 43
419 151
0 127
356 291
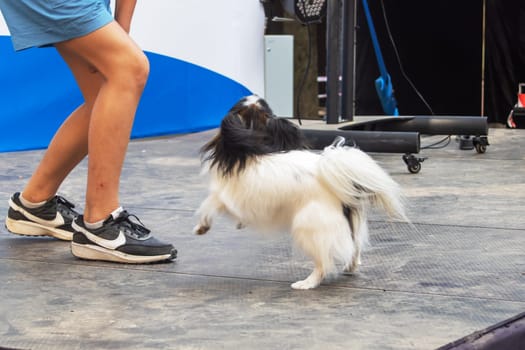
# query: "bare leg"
102 125
70 144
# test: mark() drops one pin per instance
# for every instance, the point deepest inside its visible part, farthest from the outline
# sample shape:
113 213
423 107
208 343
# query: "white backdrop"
224 36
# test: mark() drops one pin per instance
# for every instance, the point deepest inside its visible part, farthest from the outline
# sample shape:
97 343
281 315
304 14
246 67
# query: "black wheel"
414 168
481 148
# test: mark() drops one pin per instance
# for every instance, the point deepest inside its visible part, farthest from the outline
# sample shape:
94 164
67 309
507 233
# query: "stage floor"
458 269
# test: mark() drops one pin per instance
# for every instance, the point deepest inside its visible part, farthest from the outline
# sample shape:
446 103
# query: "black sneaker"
119 240
51 219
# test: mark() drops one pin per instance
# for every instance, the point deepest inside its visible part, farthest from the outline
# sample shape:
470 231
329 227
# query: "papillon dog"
263 175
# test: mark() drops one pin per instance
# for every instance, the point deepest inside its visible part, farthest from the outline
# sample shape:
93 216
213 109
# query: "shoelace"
137 228
66 207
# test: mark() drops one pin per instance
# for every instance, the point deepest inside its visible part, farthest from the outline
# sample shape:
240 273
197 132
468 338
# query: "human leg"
70 143
53 215
101 127
106 231
124 70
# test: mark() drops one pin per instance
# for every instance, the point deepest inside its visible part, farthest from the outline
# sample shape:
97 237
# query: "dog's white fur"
303 192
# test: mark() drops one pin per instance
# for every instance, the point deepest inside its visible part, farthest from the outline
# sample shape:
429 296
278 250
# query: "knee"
130 71
138 70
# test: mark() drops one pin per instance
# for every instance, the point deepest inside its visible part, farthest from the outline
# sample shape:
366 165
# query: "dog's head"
250 129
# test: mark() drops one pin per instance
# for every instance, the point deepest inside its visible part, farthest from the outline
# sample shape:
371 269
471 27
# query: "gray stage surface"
458 269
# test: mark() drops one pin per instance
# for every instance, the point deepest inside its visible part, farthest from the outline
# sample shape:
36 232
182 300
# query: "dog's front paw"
200 229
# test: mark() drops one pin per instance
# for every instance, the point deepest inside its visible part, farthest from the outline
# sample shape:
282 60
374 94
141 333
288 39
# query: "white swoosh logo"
57 221
106 243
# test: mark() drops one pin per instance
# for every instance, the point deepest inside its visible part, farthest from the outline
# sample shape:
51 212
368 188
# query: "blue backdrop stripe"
37 92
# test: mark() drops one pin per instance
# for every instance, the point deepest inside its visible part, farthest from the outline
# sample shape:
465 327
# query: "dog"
263 175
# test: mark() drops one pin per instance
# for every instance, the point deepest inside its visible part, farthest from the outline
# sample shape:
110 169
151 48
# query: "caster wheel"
413 163
481 143
480 148
414 168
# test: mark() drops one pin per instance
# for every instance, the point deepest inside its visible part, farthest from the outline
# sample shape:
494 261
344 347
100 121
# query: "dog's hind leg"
306 239
322 233
359 226
312 281
210 207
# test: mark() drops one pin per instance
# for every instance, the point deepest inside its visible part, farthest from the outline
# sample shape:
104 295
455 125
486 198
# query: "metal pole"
333 60
348 64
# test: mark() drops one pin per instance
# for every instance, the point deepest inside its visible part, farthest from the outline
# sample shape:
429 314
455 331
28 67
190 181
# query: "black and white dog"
263 176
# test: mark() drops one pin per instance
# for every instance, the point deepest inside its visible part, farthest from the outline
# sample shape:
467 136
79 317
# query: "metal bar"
333 60
432 125
367 141
348 63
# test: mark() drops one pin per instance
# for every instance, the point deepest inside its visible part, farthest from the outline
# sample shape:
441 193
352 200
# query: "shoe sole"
95 252
27 228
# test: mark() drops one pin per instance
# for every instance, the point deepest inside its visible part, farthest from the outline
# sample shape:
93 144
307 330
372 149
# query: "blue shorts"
46 22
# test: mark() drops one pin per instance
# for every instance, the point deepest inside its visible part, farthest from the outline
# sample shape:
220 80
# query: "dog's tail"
356 179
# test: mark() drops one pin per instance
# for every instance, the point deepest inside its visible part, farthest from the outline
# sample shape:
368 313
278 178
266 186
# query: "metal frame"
340 101
340 60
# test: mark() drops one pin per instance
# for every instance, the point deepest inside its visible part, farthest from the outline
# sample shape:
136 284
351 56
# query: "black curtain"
505 63
440 48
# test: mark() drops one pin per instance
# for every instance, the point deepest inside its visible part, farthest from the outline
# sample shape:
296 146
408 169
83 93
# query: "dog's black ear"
234 145
283 135
236 136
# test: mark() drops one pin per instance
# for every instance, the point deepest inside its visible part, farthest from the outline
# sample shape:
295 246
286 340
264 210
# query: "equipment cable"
446 140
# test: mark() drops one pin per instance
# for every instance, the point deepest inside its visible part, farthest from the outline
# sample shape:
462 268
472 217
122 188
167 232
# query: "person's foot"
119 239
53 218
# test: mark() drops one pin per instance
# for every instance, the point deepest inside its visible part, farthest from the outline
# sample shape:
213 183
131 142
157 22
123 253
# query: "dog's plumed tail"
356 179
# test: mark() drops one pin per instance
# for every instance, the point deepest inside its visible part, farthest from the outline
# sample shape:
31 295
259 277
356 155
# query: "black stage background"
505 56
440 46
